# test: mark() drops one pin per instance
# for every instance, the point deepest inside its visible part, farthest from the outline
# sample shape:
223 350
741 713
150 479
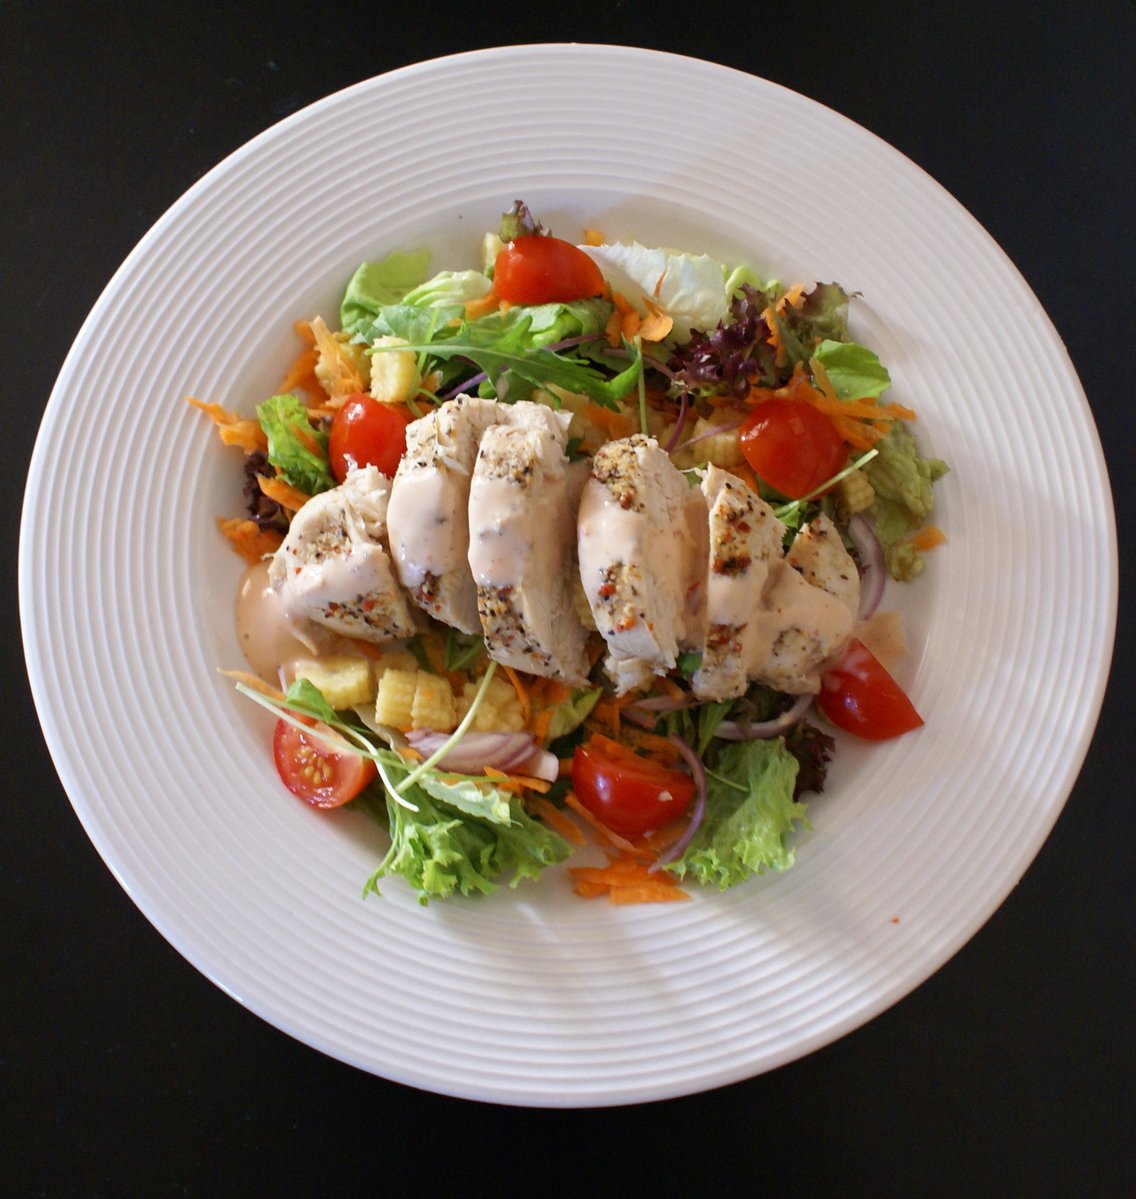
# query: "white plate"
532 996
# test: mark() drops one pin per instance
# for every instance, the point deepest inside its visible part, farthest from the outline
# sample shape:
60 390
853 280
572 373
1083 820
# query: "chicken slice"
819 554
427 519
801 627
638 545
745 539
522 507
333 566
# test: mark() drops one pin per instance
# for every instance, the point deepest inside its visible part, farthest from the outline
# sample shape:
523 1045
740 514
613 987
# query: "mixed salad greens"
519 772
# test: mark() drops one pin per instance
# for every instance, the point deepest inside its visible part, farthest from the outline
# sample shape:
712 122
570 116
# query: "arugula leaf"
501 352
295 447
304 696
750 811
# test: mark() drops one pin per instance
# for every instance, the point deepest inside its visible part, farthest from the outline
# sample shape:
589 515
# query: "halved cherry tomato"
366 433
859 696
311 769
538 269
793 446
629 795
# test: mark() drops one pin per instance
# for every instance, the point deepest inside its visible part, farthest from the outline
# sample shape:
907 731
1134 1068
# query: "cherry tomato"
538 269
311 769
629 795
366 433
793 446
859 696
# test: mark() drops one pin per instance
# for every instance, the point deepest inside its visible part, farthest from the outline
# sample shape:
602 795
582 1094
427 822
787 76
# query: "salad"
576 552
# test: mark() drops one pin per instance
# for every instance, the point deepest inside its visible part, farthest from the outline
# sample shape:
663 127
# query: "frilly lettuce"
750 812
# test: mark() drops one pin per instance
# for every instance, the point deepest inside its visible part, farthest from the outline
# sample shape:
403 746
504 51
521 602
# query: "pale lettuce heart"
690 288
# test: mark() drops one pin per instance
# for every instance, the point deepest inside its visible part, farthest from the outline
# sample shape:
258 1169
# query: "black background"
125 1072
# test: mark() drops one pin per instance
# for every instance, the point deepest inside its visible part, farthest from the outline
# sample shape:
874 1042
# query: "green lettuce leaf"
449 287
853 370
750 812
377 284
290 434
548 323
441 849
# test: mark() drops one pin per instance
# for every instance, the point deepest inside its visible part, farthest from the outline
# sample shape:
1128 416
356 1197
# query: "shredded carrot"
614 424
743 471
522 693
283 493
254 682
541 723
233 429
658 323
302 373
658 747
593 237
248 539
518 782
482 306
598 825
306 438
557 820
927 538
304 331
626 879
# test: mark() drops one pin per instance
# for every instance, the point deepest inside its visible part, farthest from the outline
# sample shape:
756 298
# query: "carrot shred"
522 694
516 782
248 539
626 880
482 306
557 820
612 837
233 429
927 538
541 723
593 237
614 424
254 682
283 493
658 323
302 373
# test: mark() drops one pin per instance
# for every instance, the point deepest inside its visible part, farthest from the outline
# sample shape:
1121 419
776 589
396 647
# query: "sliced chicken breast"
745 539
522 509
427 519
638 548
800 627
333 566
819 554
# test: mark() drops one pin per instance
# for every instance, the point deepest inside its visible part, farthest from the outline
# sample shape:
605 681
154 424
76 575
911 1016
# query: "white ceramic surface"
532 996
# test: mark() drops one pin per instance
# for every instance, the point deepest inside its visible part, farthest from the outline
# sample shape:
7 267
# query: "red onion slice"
475 751
873 569
697 813
730 730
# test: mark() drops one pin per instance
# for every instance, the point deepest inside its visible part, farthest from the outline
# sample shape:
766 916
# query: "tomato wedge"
630 795
365 433
538 269
792 446
313 770
859 696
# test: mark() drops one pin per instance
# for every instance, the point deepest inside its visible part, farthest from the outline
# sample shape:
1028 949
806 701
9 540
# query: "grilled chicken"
522 504
819 554
745 541
427 517
333 566
640 558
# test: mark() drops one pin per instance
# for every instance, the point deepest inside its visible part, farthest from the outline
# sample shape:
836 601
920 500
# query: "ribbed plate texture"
533 996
